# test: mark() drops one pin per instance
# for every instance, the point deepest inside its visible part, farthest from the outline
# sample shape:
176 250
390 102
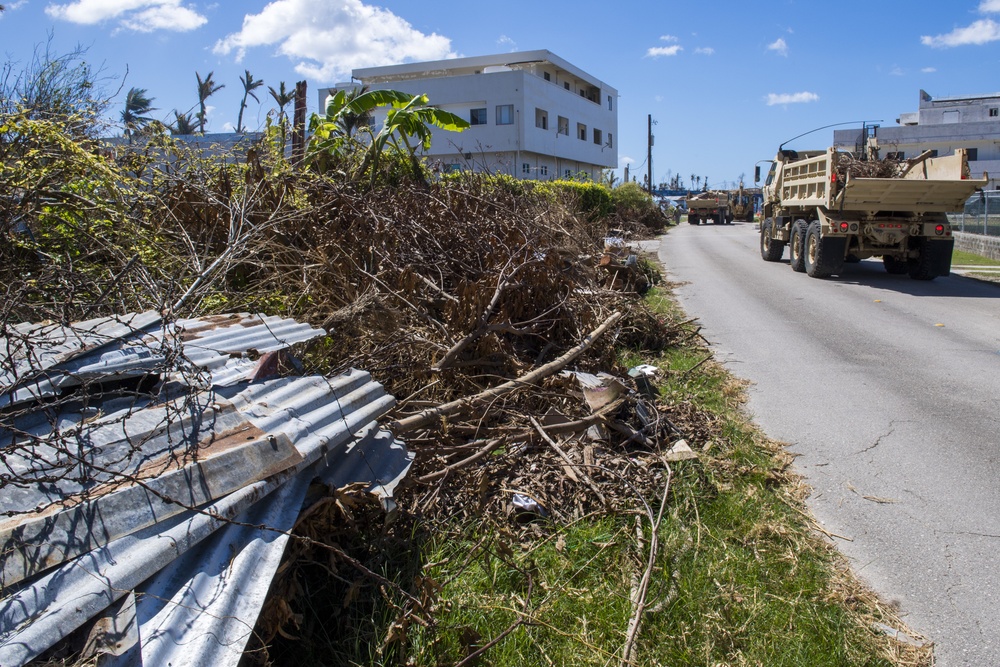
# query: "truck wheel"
894 266
797 246
934 259
719 219
770 249
692 219
824 255
729 218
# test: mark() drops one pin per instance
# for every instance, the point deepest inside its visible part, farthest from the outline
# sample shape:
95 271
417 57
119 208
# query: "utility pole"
649 154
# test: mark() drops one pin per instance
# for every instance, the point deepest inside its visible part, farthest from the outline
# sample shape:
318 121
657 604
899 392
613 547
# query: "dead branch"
425 417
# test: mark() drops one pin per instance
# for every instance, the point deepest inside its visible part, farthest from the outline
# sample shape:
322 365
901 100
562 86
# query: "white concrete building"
942 125
532 114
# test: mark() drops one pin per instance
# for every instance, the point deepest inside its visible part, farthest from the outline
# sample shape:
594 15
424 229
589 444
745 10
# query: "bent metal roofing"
159 517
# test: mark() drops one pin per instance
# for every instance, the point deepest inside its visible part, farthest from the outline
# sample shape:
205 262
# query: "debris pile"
850 166
482 305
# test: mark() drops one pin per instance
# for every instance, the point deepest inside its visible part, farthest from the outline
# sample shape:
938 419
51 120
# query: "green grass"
740 577
962 258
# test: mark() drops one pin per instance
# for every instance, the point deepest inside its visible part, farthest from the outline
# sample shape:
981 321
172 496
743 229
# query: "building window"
543 170
972 153
566 85
505 114
598 137
563 127
542 119
525 168
609 103
582 93
610 143
477 117
994 112
581 131
548 77
934 152
895 156
568 174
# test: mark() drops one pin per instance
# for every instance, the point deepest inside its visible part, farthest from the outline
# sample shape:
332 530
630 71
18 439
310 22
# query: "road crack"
878 441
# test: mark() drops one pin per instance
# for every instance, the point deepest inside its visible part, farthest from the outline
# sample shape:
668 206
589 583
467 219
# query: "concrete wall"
987 246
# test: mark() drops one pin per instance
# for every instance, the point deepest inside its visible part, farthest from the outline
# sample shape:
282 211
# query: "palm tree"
137 105
283 98
183 124
206 88
249 85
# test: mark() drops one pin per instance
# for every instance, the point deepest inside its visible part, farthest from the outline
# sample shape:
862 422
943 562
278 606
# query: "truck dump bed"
926 185
708 200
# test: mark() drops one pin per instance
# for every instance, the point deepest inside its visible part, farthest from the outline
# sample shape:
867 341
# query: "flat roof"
444 67
966 98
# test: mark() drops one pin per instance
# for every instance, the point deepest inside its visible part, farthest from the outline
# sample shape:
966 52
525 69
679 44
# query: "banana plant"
408 118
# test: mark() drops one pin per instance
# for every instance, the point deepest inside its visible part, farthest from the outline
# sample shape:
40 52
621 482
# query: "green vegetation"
960 257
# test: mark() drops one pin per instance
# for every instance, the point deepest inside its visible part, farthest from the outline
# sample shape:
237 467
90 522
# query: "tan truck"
741 204
711 206
818 204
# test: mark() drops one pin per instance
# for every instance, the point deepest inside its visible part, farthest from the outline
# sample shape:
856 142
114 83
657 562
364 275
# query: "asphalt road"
888 389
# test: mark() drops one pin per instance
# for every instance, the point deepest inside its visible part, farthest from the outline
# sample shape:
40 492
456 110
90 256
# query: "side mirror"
756 174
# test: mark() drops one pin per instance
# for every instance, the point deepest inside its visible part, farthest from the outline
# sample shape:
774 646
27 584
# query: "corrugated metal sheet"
138 493
42 360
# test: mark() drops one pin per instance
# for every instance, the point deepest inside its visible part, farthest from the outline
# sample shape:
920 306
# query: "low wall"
987 246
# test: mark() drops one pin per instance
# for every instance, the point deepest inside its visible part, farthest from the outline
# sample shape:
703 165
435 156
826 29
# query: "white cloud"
657 51
929 70
988 6
704 50
778 46
667 38
657 98
331 38
897 71
138 15
506 42
980 32
791 98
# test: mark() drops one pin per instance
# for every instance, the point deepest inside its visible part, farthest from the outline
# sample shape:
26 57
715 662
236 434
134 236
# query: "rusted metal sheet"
133 492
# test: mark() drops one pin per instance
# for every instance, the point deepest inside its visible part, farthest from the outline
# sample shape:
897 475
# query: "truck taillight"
833 177
843 226
939 230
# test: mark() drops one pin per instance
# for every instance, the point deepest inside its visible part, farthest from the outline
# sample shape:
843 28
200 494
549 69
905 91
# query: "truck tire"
770 249
729 218
797 246
896 267
692 219
719 219
933 260
824 255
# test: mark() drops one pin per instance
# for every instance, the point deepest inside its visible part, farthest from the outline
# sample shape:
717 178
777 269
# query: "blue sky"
725 81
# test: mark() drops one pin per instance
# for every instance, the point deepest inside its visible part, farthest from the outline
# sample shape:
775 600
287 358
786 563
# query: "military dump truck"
830 207
741 204
711 206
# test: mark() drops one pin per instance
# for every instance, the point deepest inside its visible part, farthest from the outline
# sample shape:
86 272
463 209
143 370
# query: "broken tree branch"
425 417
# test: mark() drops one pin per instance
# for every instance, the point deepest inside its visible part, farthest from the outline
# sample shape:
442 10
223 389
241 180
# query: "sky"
725 81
